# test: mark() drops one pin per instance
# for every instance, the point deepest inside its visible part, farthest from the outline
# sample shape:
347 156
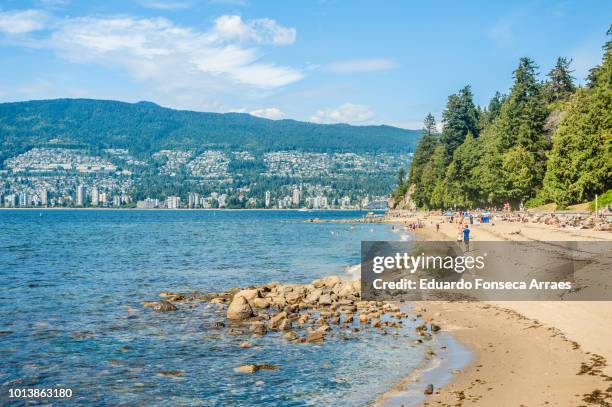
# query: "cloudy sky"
360 62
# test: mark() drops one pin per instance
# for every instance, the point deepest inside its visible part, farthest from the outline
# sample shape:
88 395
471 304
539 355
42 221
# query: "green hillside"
145 127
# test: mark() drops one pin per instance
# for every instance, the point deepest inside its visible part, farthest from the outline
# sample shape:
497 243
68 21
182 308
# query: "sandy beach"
526 353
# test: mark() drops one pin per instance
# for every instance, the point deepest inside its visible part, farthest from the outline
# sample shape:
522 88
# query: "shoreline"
188 209
524 353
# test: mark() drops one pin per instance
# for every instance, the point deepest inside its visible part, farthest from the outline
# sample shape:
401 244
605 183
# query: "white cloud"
229 2
169 57
346 113
362 65
262 30
166 5
268 113
22 21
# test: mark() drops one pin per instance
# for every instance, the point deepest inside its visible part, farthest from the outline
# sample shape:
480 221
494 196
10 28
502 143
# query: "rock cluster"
300 313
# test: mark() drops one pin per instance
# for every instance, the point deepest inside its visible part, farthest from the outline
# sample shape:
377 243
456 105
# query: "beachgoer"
466 238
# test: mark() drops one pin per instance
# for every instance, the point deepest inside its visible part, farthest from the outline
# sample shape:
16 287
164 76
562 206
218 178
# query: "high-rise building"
24 199
80 195
295 199
95 196
44 197
268 199
116 200
103 198
12 200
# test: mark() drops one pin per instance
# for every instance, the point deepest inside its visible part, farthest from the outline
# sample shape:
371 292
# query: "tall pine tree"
580 163
425 149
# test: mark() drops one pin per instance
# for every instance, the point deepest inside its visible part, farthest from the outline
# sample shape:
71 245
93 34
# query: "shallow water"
70 313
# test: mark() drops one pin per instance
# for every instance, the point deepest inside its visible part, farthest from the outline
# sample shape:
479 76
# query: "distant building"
222 200
173 202
116 200
24 199
148 203
44 197
103 198
295 199
80 195
11 200
268 199
95 196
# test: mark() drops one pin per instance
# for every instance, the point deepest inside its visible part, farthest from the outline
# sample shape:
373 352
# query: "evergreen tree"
560 86
520 124
425 148
580 163
433 178
460 183
460 118
491 112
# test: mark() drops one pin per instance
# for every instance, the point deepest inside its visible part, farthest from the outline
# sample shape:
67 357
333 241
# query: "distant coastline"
193 209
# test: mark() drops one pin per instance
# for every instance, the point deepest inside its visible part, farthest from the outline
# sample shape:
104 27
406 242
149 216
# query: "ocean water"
71 314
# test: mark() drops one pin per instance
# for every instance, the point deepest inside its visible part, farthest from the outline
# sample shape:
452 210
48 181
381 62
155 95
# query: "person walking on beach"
466 238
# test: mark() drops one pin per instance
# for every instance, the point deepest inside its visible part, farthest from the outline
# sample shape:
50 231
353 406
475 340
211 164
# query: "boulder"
276 320
261 302
315 336
258 328
429 389
318 283
285 325
290 336
313 296
160 306
331 281
325 299
249 295
239 308
346 290
246 369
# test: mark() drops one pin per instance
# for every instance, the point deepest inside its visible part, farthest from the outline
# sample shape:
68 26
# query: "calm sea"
69 279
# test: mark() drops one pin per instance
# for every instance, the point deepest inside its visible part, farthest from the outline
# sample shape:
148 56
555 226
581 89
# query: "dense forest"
545 141
144 128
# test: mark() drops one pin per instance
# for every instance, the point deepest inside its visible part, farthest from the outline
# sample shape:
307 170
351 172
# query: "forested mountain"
145 127
545 141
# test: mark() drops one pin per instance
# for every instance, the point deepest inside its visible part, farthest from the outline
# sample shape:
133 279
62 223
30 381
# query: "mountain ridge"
145 127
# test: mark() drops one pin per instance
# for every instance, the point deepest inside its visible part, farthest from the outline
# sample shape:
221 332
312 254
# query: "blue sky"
361 62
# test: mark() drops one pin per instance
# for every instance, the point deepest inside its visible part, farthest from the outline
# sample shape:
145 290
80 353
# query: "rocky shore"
309 314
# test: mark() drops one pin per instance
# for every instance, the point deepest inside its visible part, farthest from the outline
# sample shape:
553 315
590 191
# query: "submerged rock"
258 328
315 336
254 368
160 306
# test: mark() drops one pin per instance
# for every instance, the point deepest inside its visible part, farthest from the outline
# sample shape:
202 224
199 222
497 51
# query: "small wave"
353 271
